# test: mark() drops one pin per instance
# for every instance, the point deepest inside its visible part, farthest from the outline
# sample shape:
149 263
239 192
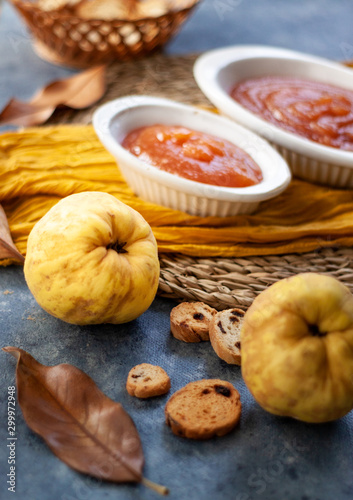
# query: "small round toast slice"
147 381
189 321
203 409
225 335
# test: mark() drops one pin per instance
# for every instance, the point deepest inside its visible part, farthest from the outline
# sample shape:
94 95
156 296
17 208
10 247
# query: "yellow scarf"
39 166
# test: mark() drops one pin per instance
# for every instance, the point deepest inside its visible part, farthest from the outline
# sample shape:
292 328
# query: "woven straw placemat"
223 283
219 282
156 75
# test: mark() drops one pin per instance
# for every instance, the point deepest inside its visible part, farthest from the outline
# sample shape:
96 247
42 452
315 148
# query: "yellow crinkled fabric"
39 166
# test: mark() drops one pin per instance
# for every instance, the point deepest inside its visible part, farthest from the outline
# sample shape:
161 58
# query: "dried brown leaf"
83 427
79 91
23 114
7 246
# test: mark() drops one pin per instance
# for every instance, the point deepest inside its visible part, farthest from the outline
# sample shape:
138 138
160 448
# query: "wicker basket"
63 38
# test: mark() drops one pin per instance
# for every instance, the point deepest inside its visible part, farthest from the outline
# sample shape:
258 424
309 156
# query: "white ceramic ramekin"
114 120
218 71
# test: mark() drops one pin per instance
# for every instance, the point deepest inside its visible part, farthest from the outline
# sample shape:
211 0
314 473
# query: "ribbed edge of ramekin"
154 192
316 171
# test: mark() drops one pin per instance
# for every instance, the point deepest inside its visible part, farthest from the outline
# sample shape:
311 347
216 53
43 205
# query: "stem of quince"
118 247
315 331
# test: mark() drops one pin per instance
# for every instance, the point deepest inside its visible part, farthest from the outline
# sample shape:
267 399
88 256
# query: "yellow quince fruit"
92 259
297 348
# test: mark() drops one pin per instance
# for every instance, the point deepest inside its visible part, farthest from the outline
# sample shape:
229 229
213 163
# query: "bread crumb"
7 292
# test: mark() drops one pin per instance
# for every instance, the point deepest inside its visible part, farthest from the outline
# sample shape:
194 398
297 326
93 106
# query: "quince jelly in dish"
193 155
315 110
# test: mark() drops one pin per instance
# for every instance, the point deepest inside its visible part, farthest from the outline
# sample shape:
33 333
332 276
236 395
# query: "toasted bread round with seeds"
146 381
189 321
225 335
203 409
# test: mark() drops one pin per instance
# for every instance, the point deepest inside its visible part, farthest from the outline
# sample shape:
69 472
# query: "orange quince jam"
193 155
317 111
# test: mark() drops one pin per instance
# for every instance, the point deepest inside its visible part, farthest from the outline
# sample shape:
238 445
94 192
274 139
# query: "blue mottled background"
265 457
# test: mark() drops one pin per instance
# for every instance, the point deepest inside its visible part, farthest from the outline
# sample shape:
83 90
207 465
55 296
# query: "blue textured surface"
266 457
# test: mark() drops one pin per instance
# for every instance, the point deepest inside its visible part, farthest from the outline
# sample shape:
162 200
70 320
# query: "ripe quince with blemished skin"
92 259
297 348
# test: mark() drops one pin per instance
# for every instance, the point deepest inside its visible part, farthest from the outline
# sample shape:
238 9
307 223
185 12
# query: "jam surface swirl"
317 111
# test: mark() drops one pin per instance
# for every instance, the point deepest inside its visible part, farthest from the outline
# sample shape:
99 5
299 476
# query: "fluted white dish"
218 71
115 119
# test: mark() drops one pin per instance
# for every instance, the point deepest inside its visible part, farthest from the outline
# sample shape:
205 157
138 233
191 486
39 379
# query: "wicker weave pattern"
223 283
67 39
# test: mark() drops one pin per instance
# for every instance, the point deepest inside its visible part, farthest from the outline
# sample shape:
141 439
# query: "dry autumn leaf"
84 428
78 91
7 246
